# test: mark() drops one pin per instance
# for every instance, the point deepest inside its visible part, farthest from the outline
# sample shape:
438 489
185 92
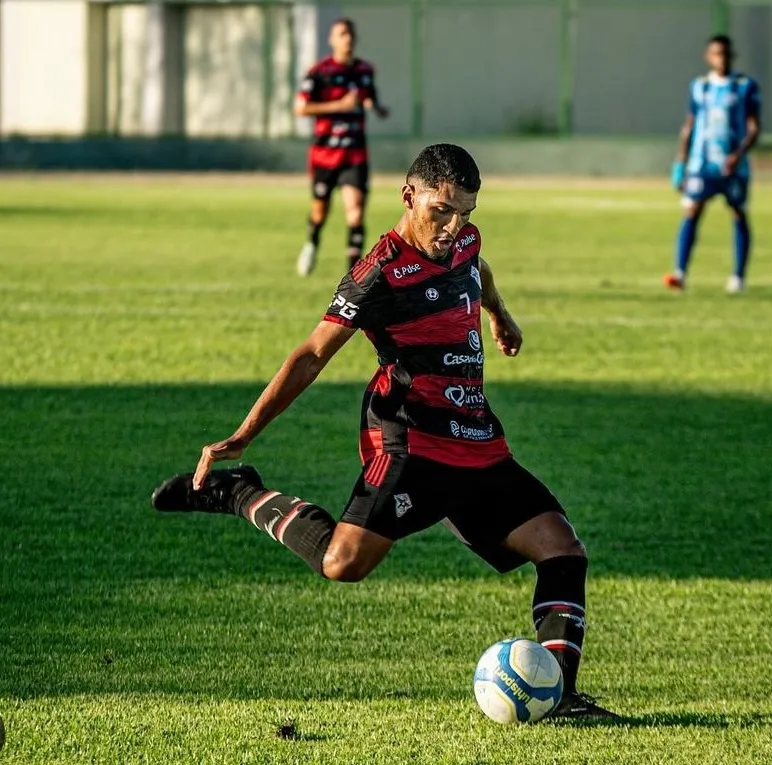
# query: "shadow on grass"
658 485
671 720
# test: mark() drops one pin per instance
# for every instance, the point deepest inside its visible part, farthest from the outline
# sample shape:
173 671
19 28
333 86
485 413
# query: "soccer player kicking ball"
720 129
336 92
432 449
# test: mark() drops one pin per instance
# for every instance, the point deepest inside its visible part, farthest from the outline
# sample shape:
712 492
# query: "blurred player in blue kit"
722 126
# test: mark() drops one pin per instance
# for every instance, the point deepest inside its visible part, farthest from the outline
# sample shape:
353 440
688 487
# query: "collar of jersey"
717 79
446 262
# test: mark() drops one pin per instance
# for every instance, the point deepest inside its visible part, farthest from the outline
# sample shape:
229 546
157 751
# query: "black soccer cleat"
580 706
222 491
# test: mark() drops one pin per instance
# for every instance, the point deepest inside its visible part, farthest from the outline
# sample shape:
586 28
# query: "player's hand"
229 449
730 164
350 102
506 334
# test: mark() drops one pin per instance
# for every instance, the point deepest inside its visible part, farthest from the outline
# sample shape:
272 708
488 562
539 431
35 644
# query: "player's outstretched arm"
678 171
299 370
506 333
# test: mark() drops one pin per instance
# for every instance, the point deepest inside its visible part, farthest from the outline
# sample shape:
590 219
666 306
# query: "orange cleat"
673 282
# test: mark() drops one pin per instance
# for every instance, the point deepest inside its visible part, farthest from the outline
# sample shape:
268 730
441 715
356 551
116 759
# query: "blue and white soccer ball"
517 680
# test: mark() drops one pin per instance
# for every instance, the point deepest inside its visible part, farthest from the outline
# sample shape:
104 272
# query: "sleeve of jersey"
370 90
308 87
357 303
693 105
753 99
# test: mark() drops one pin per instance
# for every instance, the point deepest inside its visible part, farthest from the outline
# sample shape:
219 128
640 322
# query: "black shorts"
325 179
397 495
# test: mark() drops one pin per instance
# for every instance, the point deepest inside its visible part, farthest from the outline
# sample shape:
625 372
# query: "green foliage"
139 318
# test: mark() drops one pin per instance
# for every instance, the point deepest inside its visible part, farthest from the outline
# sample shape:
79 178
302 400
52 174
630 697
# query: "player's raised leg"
339 551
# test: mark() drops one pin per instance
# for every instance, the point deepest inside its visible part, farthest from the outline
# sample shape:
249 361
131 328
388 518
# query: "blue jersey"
721 107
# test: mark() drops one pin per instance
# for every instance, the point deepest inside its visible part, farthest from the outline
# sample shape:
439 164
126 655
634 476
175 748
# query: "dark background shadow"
94 583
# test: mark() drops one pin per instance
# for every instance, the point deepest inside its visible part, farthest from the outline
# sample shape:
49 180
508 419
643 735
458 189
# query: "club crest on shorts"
402 504
432 294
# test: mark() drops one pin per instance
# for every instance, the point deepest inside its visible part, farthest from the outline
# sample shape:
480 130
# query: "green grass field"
139 319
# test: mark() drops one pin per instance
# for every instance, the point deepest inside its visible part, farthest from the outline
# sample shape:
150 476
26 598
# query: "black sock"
355 242
300 526
558 612
314 232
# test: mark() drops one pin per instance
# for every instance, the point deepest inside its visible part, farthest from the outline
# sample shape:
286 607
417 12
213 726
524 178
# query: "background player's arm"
372 105
506 333
685 138
299 370
753 130
348 103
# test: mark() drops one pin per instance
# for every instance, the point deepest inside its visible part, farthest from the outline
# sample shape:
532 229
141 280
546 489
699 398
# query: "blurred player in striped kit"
720 129
337 92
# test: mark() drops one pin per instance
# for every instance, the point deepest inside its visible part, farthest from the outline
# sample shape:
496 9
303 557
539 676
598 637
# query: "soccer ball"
517 680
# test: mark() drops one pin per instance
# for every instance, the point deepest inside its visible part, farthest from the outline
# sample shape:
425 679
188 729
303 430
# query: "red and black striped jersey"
339 139
423 317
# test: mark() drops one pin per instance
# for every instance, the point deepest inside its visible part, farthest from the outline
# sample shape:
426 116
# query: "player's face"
436 216
719 58
341 41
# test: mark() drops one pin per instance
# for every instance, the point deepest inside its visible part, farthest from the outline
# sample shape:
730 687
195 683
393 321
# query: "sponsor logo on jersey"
465 395
457 359
476 277
402 504
465 241
474 340
401 271
432 294
471 434
343 307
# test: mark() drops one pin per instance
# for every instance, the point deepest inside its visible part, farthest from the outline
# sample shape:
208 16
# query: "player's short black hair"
348 23
445 162
724 40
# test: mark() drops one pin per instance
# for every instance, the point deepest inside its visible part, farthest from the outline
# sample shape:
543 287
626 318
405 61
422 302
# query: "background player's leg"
320 207
742 249
354 201
549 541
685 241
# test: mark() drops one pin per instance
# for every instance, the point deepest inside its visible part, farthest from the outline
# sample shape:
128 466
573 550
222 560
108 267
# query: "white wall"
633 67
752 32
488 69
43 78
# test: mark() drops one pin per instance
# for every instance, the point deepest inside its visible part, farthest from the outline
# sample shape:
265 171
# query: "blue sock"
742 246
687 236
